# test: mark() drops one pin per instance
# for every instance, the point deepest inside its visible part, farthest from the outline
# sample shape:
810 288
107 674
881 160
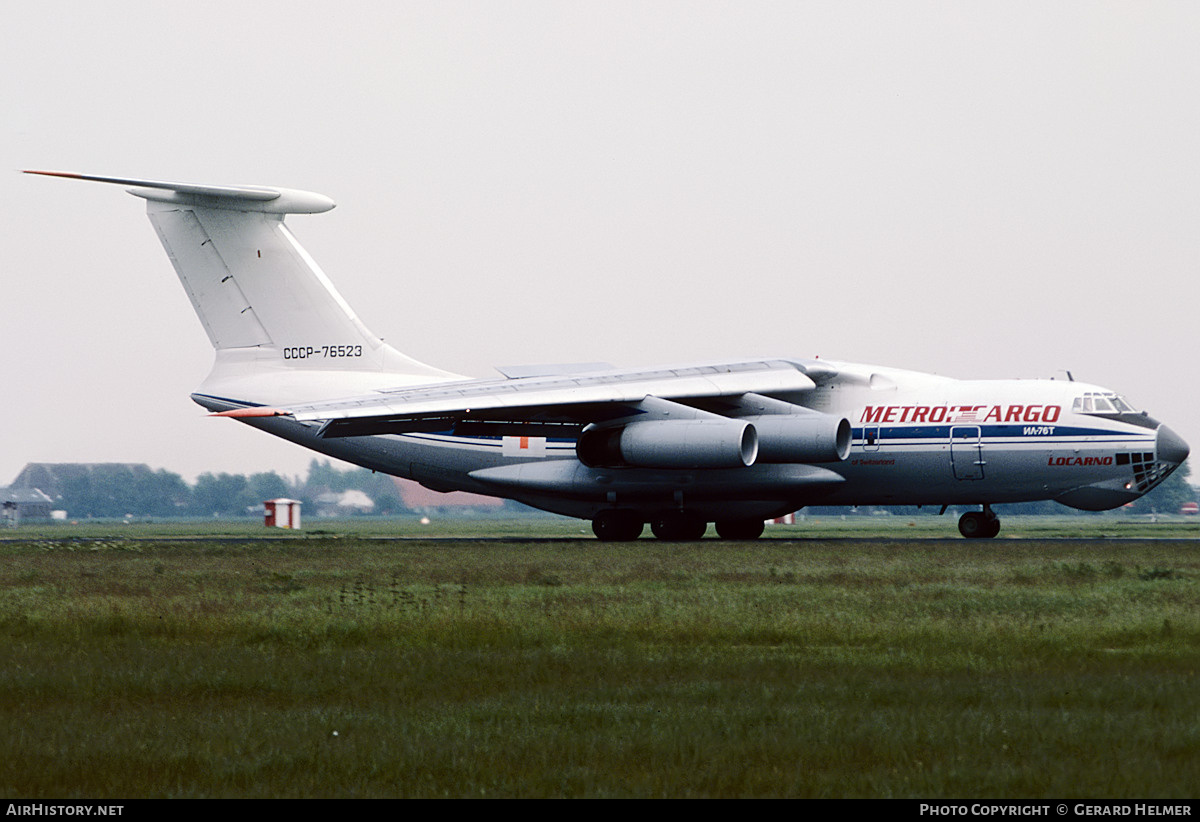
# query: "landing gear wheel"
617 526
677 527
739 528
978 525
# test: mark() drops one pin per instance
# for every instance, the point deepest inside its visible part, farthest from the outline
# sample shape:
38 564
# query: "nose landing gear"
979 524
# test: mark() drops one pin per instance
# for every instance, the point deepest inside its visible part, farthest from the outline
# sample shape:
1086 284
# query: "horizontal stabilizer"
270 200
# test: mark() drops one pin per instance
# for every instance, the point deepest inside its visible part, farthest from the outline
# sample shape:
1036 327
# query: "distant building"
54 477
26 505
106 489
344 503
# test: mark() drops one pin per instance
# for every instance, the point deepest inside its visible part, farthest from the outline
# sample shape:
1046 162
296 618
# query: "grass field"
179 661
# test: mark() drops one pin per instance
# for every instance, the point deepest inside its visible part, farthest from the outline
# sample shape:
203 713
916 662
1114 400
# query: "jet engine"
698 443
801 438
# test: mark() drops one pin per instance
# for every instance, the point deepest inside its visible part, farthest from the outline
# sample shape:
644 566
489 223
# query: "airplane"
730 442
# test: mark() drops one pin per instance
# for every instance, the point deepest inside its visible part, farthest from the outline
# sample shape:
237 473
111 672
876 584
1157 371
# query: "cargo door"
966 452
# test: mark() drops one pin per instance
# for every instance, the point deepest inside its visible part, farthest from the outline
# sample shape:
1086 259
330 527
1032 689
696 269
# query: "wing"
553 405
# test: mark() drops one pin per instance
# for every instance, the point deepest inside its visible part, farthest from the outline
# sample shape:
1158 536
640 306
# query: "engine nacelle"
670 444
801 438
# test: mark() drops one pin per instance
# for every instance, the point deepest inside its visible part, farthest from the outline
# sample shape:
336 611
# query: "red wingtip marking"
245 413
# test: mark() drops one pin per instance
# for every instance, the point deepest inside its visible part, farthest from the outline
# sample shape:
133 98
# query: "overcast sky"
974 189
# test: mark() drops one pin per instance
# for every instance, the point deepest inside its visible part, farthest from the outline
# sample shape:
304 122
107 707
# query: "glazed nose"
1171 447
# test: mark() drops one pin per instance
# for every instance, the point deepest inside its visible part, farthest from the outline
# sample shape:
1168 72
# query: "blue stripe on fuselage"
1031 430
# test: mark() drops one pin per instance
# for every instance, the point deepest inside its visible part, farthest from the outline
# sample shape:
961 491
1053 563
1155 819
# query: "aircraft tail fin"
278 325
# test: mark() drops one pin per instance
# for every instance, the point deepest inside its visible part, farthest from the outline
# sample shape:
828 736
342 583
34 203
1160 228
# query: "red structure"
282 513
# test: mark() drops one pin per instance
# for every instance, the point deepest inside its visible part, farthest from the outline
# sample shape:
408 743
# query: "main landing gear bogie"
678 526
618 525
979 524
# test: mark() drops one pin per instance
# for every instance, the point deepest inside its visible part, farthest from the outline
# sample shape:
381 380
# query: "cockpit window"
1097 403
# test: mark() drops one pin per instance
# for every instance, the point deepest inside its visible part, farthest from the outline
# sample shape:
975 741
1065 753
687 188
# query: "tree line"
117 490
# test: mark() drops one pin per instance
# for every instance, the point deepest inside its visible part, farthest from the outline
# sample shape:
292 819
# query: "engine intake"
670 444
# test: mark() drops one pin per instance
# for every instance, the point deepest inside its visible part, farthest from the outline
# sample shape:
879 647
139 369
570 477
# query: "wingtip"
251 413
69 174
